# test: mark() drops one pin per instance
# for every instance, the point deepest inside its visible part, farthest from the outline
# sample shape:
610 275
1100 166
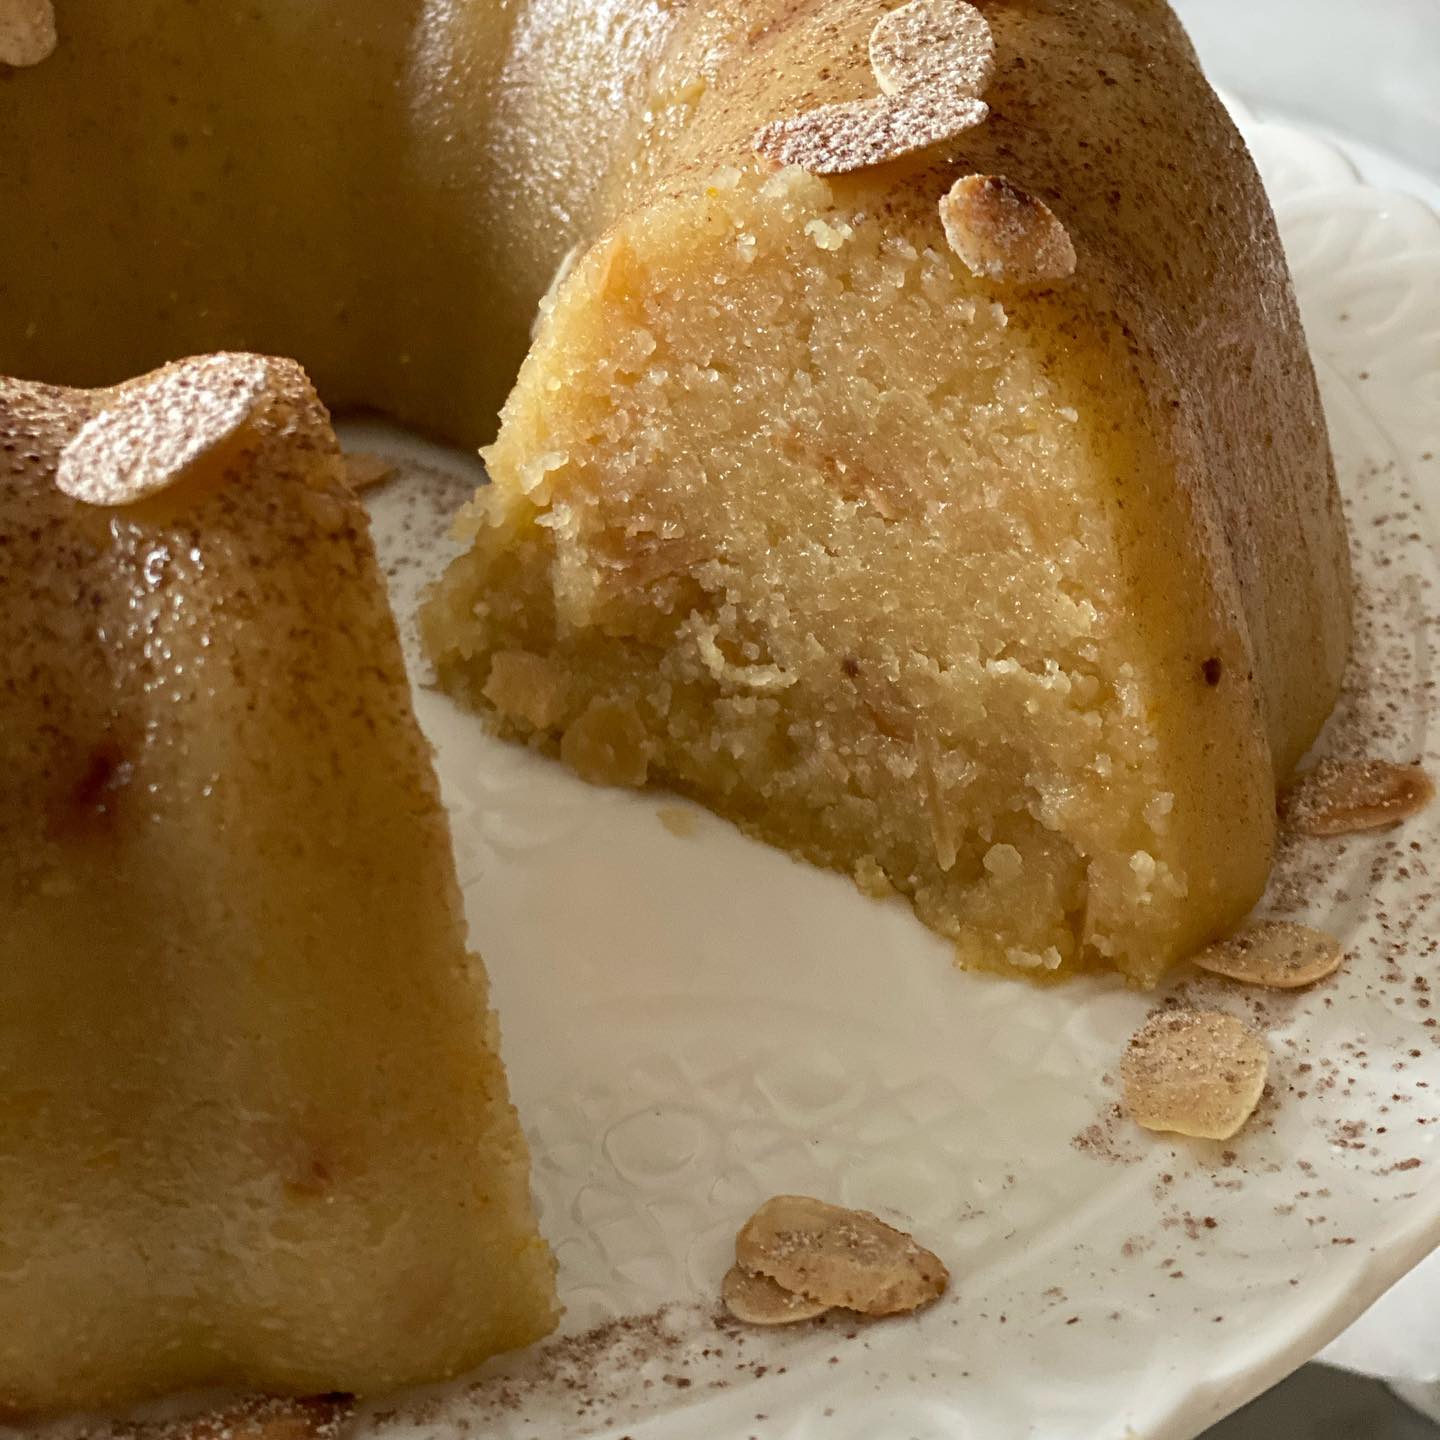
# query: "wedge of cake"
254 1128
938 488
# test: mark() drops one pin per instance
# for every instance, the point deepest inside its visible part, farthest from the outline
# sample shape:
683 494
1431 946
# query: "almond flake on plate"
153 431
1278 954
1194 1072
846 1258
363 468
1344 797
758 1300
1003 233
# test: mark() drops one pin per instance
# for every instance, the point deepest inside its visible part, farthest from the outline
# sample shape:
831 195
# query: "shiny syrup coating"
240 1034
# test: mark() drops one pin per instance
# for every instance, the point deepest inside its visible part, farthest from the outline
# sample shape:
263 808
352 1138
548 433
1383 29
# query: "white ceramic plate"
693 1022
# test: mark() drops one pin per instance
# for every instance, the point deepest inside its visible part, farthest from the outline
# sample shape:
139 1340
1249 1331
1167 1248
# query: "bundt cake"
918 458
253 1126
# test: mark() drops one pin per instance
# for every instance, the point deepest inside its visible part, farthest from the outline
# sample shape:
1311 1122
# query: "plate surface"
693 1022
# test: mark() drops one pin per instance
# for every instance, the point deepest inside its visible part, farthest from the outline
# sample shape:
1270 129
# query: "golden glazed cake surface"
1017 599
254 1129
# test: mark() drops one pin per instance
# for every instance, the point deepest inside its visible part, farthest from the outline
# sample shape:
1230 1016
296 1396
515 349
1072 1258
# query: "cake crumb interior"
752 542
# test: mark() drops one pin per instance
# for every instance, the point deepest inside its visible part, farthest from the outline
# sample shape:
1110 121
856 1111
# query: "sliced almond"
363 469
1344 797
1194 1072
836 139
155 430
933 44
846 1258
27 31
758 1300
1278 954
1002 233
931 59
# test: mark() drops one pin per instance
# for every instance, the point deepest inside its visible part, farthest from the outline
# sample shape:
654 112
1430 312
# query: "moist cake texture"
254 1128
1017 592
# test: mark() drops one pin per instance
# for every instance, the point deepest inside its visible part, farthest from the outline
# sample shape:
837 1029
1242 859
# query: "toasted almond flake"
846 1258
836 139
363 469
1343 797
1194 1072
932 59
1277 954
933 43
1004 234
680 820
27 31
758 1300
155 429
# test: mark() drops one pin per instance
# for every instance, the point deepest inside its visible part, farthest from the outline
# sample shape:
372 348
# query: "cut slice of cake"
254 1128
965 523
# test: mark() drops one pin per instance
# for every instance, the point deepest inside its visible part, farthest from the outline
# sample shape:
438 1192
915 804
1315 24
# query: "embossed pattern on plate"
693 1022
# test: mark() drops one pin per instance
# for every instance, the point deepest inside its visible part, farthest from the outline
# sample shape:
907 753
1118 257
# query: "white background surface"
1369 69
